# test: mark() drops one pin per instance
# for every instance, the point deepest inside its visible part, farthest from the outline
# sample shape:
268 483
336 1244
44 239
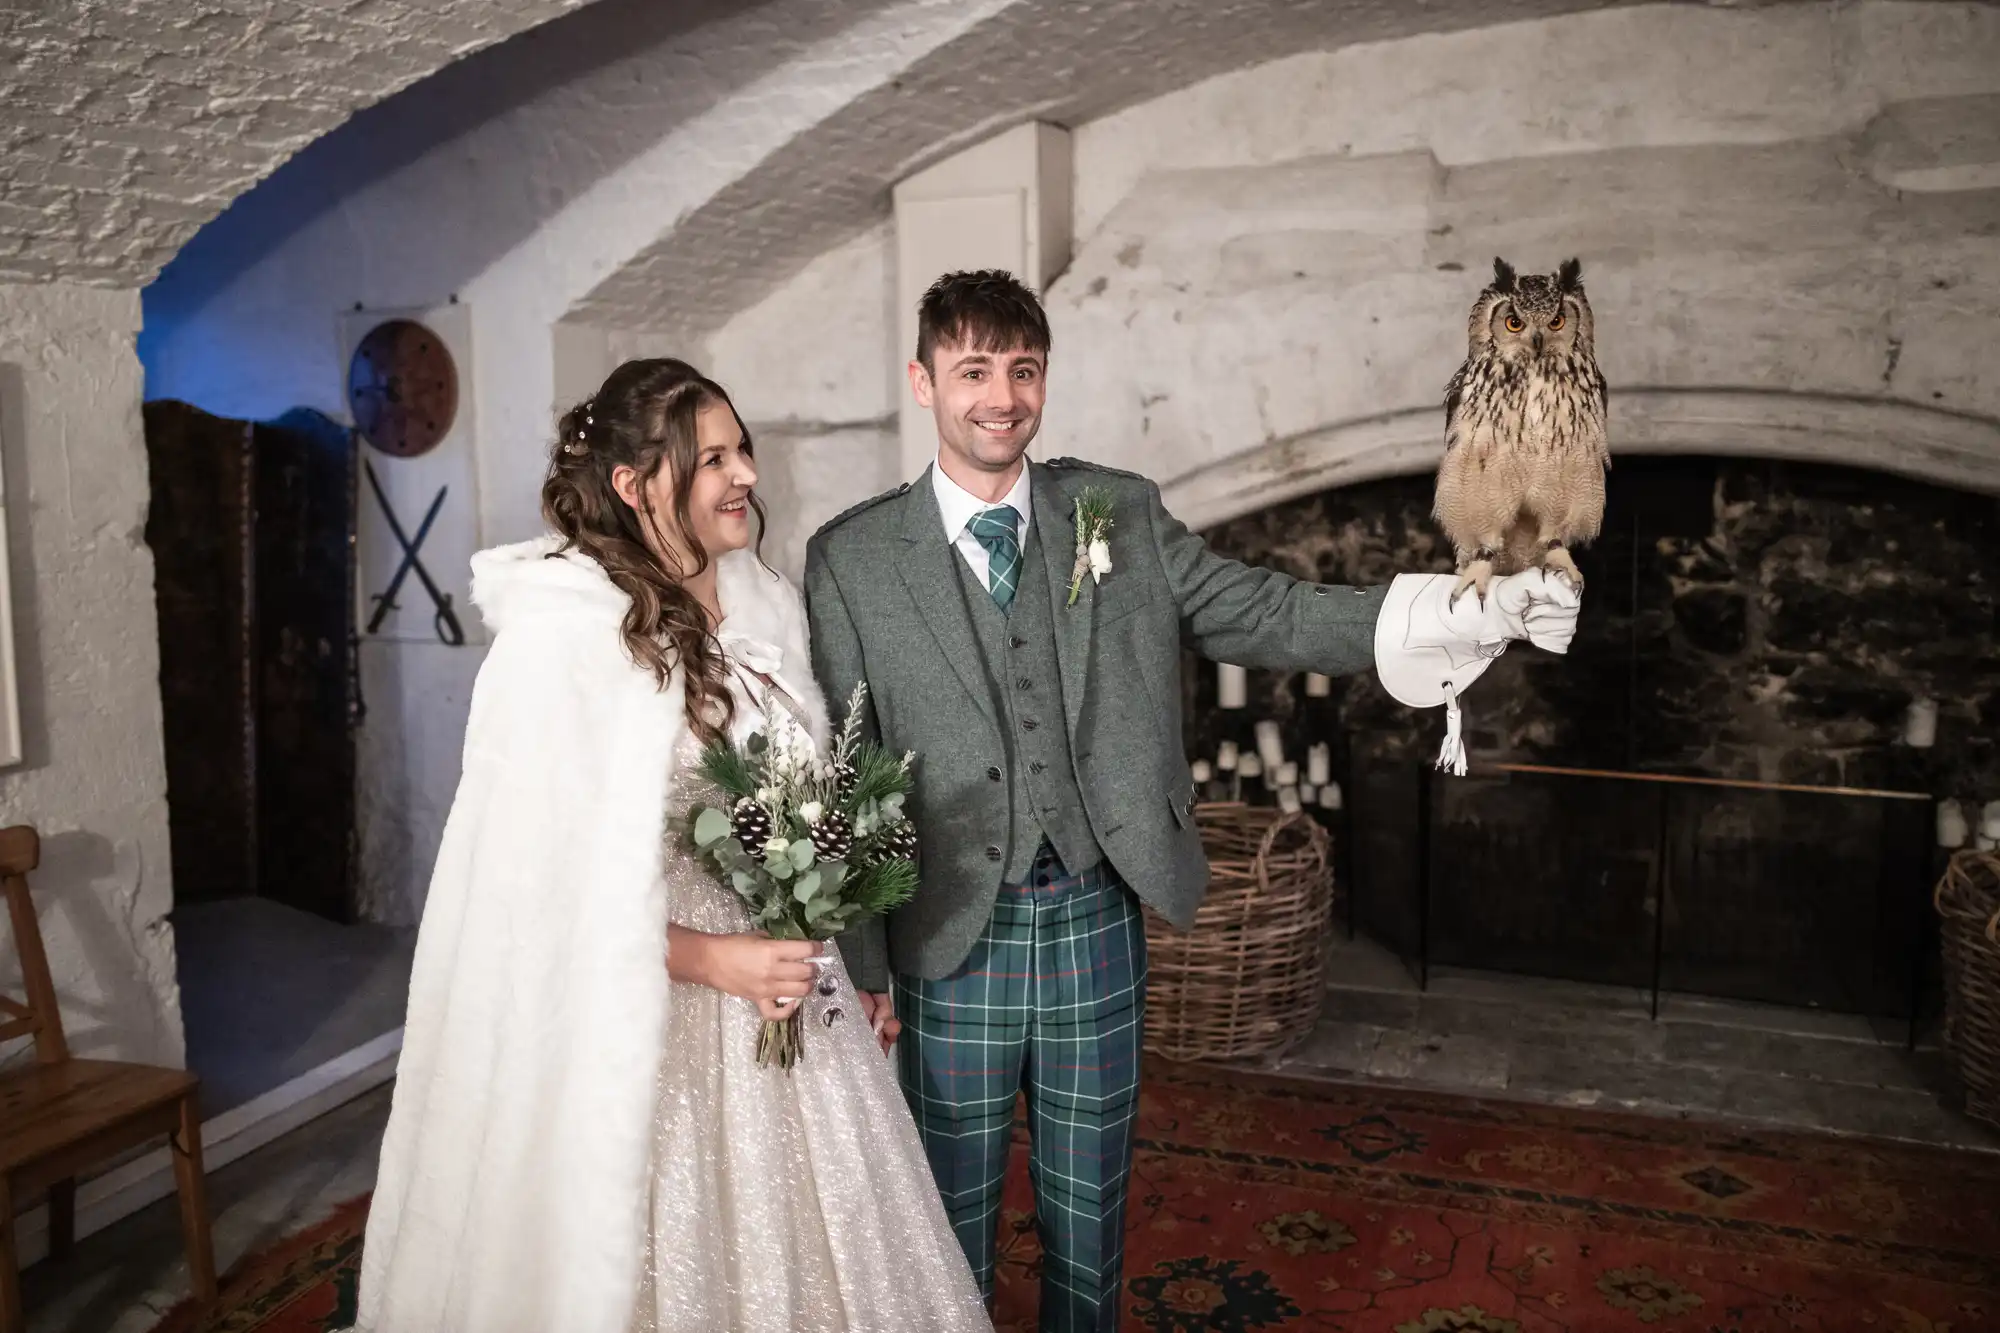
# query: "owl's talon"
1475 575
1559 558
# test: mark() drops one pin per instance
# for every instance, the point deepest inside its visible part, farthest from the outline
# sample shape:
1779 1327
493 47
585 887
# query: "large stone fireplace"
1813 645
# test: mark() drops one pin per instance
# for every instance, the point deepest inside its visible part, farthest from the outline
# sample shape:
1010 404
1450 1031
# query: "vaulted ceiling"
129 124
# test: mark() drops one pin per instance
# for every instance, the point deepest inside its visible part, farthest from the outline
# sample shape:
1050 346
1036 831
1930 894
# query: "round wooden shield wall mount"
402 388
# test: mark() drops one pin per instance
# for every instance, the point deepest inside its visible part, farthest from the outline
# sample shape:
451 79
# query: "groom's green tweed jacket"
888 607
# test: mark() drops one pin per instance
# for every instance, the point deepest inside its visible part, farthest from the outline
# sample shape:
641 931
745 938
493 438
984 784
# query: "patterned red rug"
1265 1203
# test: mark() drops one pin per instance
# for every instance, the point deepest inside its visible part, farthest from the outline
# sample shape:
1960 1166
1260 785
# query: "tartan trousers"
1050 1003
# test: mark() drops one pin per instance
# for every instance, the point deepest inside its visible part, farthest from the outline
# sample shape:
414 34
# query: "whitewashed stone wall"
93 781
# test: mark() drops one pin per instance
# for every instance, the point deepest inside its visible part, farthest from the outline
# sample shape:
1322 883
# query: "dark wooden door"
197 529
251 529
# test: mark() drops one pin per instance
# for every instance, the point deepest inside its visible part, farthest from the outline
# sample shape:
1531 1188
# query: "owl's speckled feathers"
1525 453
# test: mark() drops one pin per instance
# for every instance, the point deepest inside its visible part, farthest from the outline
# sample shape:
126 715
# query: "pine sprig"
728 770
878 774
1093 514
884 886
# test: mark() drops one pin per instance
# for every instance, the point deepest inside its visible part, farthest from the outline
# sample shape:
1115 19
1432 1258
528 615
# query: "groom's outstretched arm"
838 663
1255 617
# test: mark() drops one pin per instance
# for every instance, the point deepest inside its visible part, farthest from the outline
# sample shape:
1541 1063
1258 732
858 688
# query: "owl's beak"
1537 341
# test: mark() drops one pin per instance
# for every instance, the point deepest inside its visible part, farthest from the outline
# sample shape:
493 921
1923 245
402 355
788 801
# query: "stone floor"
1575 1045
1490 1036
269 992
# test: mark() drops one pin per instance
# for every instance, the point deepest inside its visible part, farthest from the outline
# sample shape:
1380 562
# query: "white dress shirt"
958 505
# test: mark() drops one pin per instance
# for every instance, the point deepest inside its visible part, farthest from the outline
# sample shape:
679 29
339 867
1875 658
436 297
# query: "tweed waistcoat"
1018 659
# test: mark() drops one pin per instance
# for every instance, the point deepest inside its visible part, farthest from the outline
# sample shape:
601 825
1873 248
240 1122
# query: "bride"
581 1139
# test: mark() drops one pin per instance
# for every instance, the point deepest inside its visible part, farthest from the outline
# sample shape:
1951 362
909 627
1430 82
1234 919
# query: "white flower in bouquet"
812 812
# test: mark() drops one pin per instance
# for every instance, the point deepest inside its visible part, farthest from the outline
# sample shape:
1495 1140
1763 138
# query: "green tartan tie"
993 528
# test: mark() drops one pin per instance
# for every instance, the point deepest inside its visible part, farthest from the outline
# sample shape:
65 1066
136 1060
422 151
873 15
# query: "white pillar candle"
1920 724
1200 771
1288 774
1951 826
1989 826
1249 766
1288 800
1225 756
1307 794
1318 686
1231 685
1270 744
1319 764
1329 796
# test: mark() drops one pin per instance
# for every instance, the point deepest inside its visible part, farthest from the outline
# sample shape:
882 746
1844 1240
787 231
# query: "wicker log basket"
1968 904
1247 980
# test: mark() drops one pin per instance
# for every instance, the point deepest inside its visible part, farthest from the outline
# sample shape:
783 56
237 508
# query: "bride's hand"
754 967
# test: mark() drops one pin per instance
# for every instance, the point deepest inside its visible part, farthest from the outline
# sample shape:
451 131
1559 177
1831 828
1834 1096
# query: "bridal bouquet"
812 843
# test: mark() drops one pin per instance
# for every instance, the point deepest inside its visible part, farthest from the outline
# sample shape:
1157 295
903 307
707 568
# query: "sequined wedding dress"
785 1203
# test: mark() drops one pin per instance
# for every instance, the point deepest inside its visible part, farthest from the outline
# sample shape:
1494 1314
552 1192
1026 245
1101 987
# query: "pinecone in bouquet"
844 777
833 836
898 842
752 826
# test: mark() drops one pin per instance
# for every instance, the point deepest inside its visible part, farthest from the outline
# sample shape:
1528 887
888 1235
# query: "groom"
1052 788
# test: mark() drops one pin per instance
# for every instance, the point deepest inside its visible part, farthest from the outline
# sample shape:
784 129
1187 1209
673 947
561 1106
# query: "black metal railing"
1771 892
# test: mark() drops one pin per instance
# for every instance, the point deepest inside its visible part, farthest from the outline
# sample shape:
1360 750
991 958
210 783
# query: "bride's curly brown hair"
643 417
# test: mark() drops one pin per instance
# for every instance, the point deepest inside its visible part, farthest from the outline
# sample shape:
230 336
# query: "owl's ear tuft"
1503 275
1569 277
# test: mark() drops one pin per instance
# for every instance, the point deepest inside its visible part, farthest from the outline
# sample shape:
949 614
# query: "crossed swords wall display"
444 619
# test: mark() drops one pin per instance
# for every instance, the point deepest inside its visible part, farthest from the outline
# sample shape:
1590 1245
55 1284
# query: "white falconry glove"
1427 651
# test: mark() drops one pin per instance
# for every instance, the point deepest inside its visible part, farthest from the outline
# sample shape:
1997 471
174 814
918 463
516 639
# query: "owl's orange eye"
1555 323
1514 324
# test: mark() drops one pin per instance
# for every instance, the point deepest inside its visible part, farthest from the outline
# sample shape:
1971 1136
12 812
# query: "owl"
1523 473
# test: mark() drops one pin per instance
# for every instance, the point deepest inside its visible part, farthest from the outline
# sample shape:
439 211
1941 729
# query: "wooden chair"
60 1115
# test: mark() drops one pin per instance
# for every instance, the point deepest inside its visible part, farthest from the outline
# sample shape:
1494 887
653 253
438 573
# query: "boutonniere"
1093 539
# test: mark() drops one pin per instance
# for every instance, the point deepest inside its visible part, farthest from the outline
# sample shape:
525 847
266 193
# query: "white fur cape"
515 1169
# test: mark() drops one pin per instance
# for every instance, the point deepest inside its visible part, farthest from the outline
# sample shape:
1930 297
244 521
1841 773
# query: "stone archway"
1909 439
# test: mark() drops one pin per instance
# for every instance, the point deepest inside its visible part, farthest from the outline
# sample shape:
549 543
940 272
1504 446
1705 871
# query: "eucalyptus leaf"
807 886
801 853
711 826
779 866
